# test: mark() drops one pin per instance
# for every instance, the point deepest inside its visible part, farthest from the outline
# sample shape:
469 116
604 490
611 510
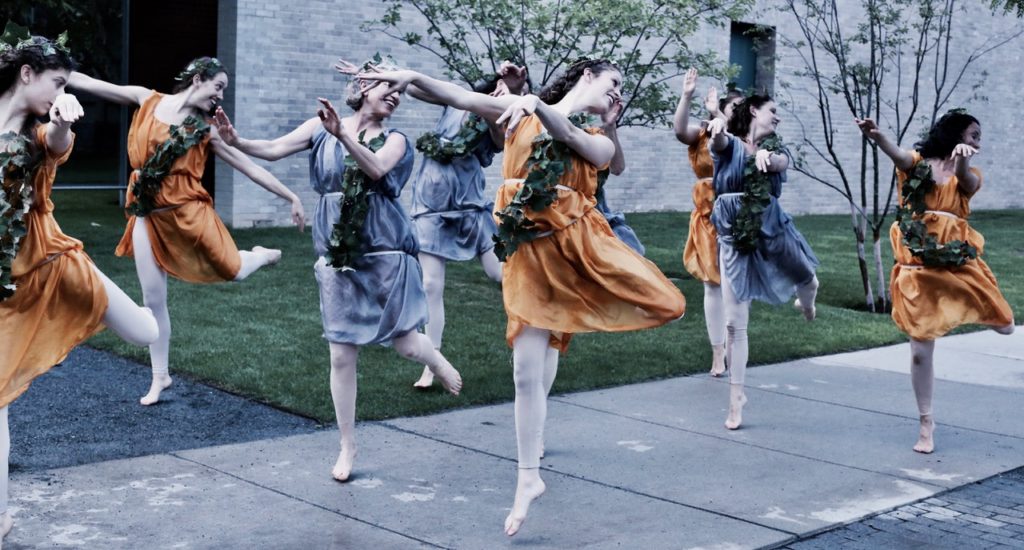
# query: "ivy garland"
151 176
918 183
757 195
346 243
549 160
17 166
472 132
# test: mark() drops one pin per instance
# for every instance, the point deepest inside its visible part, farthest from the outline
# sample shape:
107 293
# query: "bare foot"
529 487
736 401
272 255
926 441
426 379
343 467
160 383
718 360
449 377
1005 331
809 313
6 523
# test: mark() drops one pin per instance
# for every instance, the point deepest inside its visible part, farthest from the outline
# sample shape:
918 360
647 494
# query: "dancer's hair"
354 94
555 91
945 135
729 96
739 122
205 67
40 54
487 85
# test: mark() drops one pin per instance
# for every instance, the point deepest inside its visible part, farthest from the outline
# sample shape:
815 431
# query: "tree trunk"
883 289
859 232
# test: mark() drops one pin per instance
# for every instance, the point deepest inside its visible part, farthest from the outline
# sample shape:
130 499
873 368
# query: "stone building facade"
280 55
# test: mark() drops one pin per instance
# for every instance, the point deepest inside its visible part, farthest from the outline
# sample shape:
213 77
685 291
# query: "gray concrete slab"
974 406
165 502
776 489
455 497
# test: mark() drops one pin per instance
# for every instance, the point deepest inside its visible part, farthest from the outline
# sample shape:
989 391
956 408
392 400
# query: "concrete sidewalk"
826 441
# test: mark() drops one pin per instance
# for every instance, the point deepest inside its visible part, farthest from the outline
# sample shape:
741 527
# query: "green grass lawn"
262 338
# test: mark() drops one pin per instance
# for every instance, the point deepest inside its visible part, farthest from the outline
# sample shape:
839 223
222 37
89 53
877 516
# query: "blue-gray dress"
783 259
382 297
617 221
453 218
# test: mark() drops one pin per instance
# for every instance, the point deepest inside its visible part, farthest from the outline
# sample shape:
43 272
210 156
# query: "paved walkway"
826 442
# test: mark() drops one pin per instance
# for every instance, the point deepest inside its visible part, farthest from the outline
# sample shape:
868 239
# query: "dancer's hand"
329 117
65 110
224 127
868 128
346 68
690 82
523 107
963 151
514 77
397 81
611 117
763 159
715 127
711 102
500 89
298 214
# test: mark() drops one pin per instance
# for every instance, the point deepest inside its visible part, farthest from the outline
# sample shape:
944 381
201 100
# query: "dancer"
376 297
567 273
761 256
172 226
700 255
939 280
452 217
52 297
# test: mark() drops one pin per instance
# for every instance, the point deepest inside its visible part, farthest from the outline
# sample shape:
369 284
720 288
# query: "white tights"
433 284
153 280
737 316
922 373
535 364
714 313
414 346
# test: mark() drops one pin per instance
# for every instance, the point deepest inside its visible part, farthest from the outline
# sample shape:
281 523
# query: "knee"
433 285
410 347
149 329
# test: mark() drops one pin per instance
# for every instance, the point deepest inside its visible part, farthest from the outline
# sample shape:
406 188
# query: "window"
752 49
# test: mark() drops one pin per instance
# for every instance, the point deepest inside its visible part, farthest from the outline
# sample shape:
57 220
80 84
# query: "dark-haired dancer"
52 297
700 255
378 298
453 219
574 274
938 286
761 256
176 230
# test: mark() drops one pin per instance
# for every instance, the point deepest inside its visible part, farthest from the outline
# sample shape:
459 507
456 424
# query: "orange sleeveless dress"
928 302
189 240
581 277
700 256
59 301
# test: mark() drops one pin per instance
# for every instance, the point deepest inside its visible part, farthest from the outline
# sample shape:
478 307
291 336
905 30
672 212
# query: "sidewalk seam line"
591 481
304 501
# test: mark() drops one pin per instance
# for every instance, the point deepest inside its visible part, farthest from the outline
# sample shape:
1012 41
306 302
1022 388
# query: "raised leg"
256 258
417 347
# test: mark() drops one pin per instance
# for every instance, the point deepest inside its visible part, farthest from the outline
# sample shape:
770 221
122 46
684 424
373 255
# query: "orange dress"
928 302
581 277
700 256
189 240
59 301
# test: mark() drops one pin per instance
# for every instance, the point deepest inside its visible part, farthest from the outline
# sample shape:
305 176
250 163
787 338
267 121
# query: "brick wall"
280 55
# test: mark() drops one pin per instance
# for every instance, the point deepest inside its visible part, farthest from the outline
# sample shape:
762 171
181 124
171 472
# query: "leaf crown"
16 37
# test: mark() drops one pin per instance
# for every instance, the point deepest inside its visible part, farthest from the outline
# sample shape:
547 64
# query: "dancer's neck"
13 113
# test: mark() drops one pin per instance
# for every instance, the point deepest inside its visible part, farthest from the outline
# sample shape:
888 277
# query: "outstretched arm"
64 112
902 159
237 160
445 93
297 140
124 95
681 122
